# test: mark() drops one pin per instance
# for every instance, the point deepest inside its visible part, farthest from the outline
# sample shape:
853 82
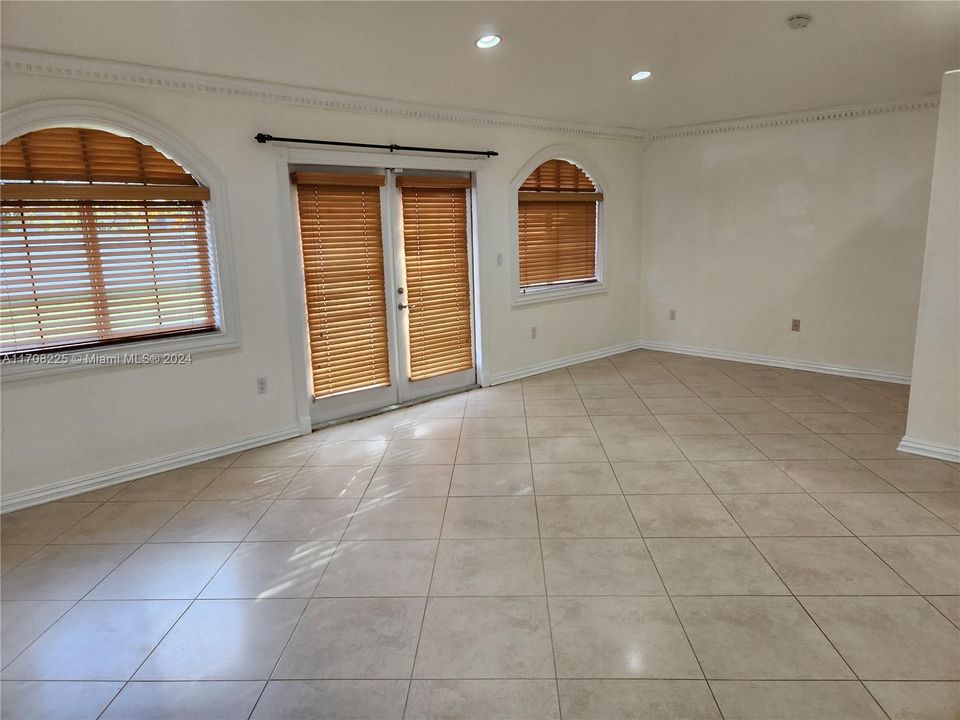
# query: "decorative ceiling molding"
72 67
32 62
845 112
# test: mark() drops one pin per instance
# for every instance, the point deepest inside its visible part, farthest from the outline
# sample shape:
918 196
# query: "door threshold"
390 408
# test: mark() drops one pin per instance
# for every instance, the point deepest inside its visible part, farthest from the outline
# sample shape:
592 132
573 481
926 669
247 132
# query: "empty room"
480 360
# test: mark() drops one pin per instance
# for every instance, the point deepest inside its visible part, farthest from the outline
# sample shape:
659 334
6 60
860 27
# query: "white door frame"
291 154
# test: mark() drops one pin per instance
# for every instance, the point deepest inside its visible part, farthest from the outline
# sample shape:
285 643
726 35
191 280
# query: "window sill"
141 353
551 294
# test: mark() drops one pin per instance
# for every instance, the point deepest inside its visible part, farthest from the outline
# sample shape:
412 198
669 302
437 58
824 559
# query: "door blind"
340 233
86 264
438 274
557 225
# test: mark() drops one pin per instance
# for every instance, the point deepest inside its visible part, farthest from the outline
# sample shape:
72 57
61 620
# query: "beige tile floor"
645 536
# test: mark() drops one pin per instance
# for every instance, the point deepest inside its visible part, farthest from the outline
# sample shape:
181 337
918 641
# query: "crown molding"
842 112
31 62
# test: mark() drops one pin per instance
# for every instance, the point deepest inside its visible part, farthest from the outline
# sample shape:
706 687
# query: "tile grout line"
323 572
885 563
798 602
533 595
849 681
112 570
895 491
192 601
792 594
789 589
622 494
666 590
210 579
543 565
845 527
436 555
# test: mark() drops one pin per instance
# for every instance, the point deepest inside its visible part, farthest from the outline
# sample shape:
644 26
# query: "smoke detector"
798 22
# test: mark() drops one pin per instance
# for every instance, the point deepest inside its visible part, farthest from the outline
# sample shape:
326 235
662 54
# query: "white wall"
86 424
933 420
822 221
741 232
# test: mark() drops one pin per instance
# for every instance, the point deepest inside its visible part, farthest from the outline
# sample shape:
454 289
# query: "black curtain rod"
265 138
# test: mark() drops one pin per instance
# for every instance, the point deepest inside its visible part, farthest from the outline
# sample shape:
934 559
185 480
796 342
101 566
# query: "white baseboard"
939 451
510 375
771 361
95 481
844 371
853 372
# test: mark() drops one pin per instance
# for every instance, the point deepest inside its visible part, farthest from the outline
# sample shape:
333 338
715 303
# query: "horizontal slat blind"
558 176
560 196
56 191
557 225
433 181
102 239
343 269
438 276
84 155
558 242
326 178
87 273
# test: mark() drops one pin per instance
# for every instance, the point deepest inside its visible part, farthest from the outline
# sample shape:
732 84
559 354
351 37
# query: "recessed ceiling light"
642 75
488 41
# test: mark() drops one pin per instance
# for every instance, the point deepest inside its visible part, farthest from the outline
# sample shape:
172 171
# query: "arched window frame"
572 290
102 116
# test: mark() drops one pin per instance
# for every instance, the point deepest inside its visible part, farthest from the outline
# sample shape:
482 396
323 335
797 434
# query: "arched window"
103 239
557 226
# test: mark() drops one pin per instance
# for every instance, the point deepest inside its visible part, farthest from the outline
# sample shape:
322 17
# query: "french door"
387 281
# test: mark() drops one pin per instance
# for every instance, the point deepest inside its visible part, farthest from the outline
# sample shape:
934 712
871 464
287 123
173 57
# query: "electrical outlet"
533 332
499 259
673 314
261 386
795 325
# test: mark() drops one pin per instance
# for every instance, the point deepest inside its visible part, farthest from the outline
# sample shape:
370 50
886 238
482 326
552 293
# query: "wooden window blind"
84 155
340 234
102 239
558 176
557 225
438 274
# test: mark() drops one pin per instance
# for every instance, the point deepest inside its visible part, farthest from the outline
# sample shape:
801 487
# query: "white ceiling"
567 61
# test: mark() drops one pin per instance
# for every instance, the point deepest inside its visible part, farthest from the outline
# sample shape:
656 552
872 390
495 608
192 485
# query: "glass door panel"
387 282
434 267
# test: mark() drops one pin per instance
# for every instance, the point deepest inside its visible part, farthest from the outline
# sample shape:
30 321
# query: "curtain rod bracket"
392 147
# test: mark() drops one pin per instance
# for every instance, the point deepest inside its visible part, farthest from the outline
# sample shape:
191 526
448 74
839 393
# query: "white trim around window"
102 116
560 291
